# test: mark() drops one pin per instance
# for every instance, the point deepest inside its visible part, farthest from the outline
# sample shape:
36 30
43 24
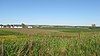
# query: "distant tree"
93 26
12 26
23 25
8 25
1 25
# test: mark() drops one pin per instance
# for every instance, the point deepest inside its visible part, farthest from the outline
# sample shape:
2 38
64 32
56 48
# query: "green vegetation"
49 42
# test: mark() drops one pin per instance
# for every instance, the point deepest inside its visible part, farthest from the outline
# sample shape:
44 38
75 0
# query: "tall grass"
40 45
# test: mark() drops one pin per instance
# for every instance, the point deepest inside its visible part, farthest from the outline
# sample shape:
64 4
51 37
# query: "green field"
50 42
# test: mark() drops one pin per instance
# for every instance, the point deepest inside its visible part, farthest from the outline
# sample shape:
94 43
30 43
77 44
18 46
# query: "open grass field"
49 42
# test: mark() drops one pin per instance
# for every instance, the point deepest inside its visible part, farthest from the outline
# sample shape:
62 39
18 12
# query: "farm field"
50 42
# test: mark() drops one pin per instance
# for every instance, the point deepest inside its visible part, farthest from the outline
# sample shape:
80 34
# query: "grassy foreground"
41 42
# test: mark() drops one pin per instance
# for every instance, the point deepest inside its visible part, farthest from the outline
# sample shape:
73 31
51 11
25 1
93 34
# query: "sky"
50 12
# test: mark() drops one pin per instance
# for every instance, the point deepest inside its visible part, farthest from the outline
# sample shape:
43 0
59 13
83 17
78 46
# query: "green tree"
93 25
23 25
8 25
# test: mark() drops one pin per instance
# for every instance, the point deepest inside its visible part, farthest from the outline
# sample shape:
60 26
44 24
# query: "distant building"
15 26
10 26
29 26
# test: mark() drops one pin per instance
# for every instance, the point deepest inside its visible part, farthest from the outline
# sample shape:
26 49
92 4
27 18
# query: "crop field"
50 42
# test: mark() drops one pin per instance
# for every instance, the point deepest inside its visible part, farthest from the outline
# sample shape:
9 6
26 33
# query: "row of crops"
17 44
